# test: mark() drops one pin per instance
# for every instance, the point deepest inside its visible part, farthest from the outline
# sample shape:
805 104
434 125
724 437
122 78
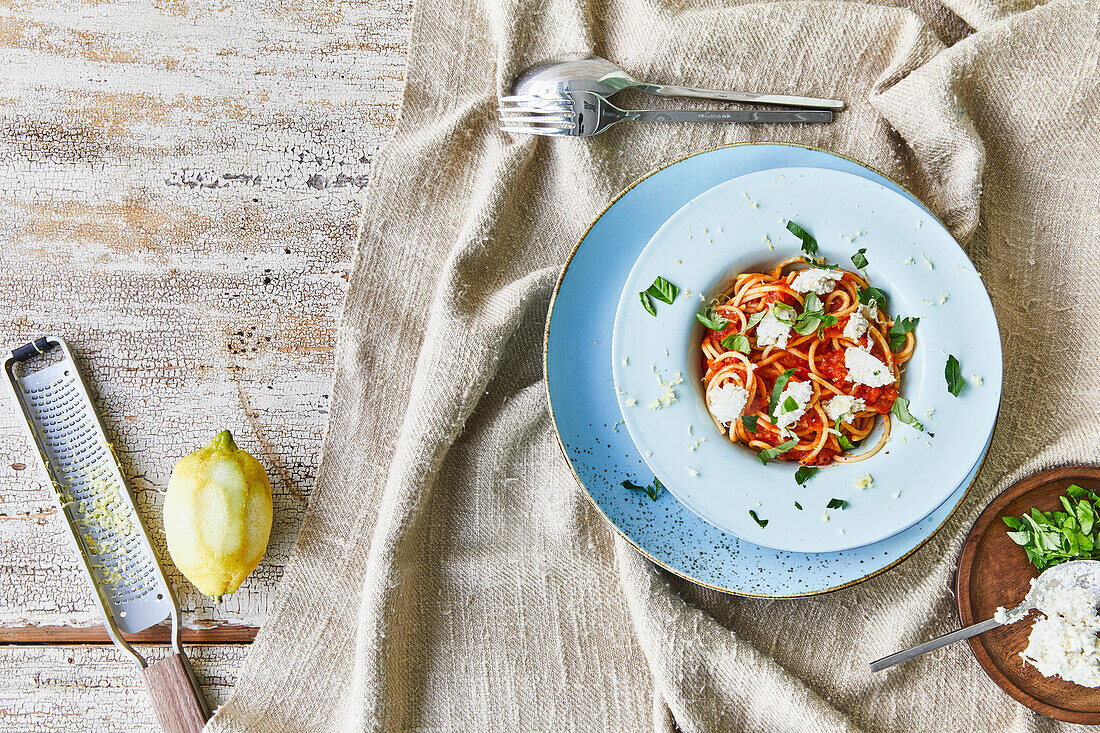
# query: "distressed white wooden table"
180 185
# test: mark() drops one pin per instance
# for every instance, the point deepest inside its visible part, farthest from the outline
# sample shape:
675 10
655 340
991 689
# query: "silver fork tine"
560 111
563 124
537 108
534 130
516 98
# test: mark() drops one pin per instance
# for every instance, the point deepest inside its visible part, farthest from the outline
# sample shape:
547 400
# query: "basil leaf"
814 317
780 385
803 475
712 320
866 295
761 522
749 421
769 453
901 327
784 313
901 411
653 491
736 342
809 244
820 264
1076 492
842 439
798 506
790 405
836 504
663 290
647 303
755 318
954 377
807 324
859 259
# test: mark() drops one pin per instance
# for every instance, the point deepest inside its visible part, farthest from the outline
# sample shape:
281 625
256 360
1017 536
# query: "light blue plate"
586 413
739 226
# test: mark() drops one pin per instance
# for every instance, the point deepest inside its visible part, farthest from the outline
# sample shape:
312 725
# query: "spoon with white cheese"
1060 579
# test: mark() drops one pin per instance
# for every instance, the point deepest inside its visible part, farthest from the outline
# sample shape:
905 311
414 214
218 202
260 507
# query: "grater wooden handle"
178 704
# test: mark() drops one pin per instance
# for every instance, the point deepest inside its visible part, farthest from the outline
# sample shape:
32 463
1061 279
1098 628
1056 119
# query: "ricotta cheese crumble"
1064 642
843 406
816 280
800 392
773 332
727 402
866 369
857 323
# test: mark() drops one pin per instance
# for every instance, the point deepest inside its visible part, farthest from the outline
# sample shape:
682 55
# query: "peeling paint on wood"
179 189
98 688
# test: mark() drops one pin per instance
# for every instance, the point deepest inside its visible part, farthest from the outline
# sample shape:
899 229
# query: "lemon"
217 516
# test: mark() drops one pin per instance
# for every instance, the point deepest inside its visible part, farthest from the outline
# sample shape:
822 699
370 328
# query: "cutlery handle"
928 646
763 116
666 90
177 701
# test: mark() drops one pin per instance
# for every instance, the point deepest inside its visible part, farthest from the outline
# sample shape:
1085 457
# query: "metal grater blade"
90 491
99 512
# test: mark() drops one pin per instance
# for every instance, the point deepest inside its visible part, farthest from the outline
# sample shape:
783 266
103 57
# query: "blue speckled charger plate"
586 414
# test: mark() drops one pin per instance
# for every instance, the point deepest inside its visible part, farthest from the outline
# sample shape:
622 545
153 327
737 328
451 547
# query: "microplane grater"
93 498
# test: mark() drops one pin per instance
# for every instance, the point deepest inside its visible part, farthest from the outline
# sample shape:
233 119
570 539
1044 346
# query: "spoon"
588 73
1083 573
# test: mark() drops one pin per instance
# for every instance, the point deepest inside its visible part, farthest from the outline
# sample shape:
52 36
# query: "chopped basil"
868 294
798 506
790 405
814 317
836 504
859 259
901 412
755 318
784 314
769 453
953 374
652 491
736 342
809 244
749 421
842 439
761 522
803 474
712 320
820 264
780 385
1051 538
901 327
663 290
810 322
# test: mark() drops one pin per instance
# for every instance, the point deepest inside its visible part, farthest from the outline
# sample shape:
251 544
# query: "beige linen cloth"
451 576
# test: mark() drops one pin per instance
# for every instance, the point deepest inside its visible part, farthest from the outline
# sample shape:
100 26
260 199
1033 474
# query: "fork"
583 114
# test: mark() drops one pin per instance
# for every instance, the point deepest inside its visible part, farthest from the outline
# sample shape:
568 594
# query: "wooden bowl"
993 571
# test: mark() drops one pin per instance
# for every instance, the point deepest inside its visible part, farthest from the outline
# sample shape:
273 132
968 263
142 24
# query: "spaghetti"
802 361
